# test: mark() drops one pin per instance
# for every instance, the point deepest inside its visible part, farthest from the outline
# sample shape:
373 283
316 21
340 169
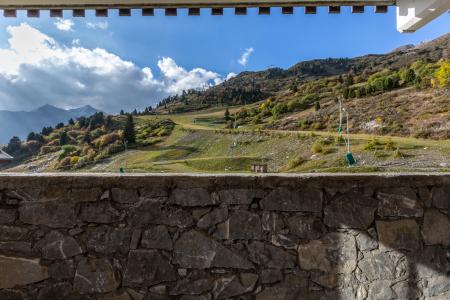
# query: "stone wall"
224 237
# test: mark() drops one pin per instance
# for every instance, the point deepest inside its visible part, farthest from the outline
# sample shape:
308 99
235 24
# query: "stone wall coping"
220 175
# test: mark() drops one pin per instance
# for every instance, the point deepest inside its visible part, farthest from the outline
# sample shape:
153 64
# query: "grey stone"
399 202
8 216
11 295
271 276
404 291
381 290
16 247
108 240
12 233
61 270
125 196
431 261
118 295
272 221
192 197
333 253
436 228
55 291
227 287
135 239
436 286
441 197
90 194
20 271
239 196
242 225
154 191
57 246
401 234
192 287
270 256
157 238
217 215
147 268
367 241
287 241
52 213
284 199
377 265
350 211
194 250
99 212
293 287
306 227
149 212
201 297
135 295
95 276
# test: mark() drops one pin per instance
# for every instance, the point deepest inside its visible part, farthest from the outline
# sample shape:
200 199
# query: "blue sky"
216 43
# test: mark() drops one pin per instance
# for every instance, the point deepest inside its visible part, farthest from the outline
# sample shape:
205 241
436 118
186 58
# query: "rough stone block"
195 250
8 216
333 253
57 246
95 276
401 234
240 196
101 212
306 227
17 271
284 199
62 269
16 247
53 213
268 256
12 233
192 197
242 225
293 287
399 202
108 240
441 197
157 238
61 290
125 196
436 228
150 212
214 217
192 287
350 211
228 287
147 268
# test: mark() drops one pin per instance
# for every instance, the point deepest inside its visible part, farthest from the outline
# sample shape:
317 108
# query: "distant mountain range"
20 123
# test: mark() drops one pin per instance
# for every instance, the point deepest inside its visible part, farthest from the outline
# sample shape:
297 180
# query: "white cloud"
97 25
37 70
231 75
243 60
64 24
76 42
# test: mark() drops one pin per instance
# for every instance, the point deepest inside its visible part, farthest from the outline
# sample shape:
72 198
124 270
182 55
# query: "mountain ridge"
20 123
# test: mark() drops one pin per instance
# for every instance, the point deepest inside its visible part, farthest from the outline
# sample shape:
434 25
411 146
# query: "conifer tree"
128 132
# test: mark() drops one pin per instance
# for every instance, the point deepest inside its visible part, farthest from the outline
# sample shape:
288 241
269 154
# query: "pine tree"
317 106
227 115
31 136
63 138
122 112
128 132
71 122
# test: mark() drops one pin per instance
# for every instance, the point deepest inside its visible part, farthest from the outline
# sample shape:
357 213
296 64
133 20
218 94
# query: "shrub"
317 147
67 150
